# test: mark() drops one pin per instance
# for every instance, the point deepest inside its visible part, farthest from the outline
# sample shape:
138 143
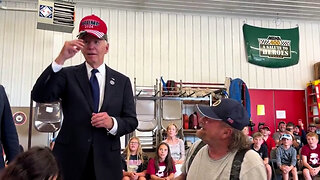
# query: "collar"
101 69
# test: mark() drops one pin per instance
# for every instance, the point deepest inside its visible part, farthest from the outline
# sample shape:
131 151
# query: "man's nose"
90 44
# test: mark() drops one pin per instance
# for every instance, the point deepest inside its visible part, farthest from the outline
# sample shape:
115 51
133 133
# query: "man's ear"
107 48
226 133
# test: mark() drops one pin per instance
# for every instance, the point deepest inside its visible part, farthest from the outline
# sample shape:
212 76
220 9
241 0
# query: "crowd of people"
291 147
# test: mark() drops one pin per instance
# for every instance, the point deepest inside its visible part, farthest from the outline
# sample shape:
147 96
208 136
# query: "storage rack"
313 102
188 93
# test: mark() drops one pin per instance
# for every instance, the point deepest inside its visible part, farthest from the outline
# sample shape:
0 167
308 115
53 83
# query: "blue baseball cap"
229 111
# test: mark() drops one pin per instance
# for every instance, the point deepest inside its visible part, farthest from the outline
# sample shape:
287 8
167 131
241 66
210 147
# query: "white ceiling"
283 9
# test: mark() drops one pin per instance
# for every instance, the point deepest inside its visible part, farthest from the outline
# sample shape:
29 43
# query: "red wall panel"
291 101
262 97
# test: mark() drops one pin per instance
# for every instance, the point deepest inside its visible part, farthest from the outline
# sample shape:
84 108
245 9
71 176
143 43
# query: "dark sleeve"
123 162
127 121
304 137
278 156
9 136
49 86
264 149
294 156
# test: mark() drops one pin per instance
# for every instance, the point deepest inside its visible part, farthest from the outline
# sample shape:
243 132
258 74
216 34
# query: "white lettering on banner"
274 47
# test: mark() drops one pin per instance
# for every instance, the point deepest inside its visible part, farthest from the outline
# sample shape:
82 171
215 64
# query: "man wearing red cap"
97 102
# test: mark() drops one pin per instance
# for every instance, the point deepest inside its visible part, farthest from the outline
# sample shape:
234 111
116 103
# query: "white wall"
147 45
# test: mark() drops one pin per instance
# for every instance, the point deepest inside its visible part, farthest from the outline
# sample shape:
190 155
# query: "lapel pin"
112 81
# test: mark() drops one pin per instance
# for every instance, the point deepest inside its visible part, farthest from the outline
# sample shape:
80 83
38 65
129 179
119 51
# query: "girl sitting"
162 166
134 161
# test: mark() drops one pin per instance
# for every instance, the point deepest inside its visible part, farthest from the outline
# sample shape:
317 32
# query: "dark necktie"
95 89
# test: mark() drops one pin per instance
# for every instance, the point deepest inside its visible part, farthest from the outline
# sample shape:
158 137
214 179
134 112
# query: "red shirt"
270 144
313 155
162 166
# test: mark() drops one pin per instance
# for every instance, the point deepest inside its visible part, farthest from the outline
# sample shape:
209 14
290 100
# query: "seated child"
134 161
35 163
310 156
260 147
287 157
162 166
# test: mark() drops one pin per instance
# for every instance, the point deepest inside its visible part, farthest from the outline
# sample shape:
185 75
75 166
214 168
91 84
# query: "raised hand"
69 49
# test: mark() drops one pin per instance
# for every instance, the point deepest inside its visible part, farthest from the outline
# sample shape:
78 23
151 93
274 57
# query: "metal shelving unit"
159 96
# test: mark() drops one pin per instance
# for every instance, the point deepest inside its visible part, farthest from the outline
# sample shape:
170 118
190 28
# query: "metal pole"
30 123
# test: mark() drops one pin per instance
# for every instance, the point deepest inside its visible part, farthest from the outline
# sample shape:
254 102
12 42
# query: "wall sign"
19 118
273 48
280 114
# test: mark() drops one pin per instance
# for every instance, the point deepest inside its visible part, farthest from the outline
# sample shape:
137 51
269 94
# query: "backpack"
236 164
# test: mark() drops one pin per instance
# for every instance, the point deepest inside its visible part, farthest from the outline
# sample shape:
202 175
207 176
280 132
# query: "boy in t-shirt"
265 130
260 147
310 156
287 157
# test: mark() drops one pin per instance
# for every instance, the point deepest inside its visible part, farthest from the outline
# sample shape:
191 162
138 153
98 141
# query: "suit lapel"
83 80
108 87
2 94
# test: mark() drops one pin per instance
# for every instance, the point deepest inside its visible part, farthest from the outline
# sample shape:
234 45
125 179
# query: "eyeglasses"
134 143
289 129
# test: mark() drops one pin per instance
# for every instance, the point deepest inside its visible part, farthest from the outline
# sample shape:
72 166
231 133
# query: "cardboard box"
316 70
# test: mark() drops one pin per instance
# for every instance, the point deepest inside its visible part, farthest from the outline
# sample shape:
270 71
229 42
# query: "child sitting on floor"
261 148
162 166
310 156
287 157
134 161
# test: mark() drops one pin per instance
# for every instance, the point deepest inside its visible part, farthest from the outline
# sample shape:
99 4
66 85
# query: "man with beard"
221 126
277 135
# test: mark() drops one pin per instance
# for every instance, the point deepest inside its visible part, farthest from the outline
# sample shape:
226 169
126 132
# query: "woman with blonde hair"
134 161
176 144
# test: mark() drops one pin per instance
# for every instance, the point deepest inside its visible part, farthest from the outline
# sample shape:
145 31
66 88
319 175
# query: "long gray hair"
238 141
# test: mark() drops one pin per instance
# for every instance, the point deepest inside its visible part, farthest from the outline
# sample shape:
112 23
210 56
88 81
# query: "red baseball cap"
93 25
266 127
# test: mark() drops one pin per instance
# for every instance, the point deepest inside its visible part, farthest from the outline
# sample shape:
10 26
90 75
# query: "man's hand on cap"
69 49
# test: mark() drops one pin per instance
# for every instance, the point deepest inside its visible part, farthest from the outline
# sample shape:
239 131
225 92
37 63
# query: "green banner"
273 48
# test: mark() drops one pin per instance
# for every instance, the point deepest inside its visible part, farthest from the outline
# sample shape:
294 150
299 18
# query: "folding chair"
171 113
48 117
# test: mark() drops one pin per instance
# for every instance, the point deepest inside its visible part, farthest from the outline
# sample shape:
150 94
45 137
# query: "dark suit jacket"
71 85
8 133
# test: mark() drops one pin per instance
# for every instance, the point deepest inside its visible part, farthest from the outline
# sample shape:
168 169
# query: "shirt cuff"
114 129
56 67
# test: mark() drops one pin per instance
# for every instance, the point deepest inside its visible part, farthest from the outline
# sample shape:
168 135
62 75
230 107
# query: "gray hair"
238 140
105 37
